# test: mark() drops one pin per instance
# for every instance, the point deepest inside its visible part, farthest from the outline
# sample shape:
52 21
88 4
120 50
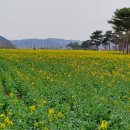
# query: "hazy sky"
70 19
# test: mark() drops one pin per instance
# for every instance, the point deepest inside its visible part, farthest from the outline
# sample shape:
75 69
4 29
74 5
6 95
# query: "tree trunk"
127 45
97 47
109 46
123 47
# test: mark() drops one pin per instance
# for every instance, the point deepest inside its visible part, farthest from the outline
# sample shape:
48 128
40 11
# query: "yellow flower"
60 115
32 108
8 121
113 72
51 115
42 103
36 125
51 111
2 125
103 125
2 115
9 113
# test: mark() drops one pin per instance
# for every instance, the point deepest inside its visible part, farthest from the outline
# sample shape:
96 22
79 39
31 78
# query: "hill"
4 43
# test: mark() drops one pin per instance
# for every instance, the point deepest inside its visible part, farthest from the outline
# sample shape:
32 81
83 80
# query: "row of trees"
120 35
96 39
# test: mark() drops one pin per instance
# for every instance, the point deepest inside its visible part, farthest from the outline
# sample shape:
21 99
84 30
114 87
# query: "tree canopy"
121 23
96 38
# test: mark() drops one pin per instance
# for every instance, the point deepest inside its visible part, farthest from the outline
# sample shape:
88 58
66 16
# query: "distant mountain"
42 43
4 43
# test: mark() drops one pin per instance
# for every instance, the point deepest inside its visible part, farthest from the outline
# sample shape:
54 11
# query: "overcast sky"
69 19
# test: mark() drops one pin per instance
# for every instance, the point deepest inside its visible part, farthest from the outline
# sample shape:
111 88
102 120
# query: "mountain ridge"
42 43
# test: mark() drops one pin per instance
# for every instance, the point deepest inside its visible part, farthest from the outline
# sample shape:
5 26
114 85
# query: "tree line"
119 36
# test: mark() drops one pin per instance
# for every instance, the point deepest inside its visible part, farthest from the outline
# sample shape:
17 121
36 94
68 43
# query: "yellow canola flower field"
64 90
